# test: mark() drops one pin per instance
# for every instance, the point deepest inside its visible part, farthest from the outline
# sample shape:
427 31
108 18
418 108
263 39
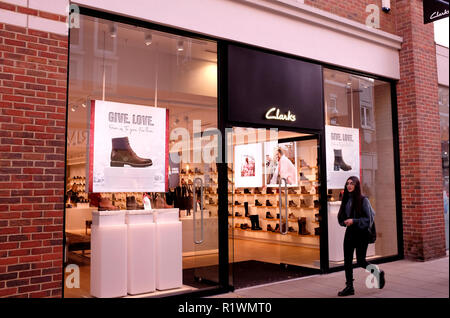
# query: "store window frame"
222 60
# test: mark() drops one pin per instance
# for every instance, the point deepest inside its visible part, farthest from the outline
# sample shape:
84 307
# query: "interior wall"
385 204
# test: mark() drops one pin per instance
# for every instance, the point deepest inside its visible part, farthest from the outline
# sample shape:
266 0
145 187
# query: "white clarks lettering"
438 14
274 113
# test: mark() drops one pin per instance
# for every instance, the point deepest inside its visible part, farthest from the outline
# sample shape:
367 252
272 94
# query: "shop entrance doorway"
273 206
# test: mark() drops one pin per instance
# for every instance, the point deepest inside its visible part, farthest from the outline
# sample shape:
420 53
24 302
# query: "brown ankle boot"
122 154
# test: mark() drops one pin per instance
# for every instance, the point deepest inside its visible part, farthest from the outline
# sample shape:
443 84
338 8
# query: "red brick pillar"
33 77
419 135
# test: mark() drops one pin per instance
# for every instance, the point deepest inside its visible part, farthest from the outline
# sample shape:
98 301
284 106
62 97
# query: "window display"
359 142
120 147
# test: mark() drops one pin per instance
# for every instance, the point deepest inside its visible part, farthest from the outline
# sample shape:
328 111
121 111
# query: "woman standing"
354 214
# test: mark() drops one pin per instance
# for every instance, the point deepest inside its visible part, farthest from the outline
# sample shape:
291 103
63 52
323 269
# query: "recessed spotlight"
113 31
180 45
148 39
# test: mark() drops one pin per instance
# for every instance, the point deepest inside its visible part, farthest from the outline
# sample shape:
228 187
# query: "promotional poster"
343 156
128 149
248 166
280 162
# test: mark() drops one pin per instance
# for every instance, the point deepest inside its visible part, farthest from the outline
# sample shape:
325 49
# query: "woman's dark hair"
357 198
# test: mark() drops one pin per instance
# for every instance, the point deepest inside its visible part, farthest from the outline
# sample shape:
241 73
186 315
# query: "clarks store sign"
274 114
434 10
272 90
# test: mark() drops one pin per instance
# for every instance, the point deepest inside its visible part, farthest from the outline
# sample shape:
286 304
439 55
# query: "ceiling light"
180 45
113 31
83 105
148 39
73 108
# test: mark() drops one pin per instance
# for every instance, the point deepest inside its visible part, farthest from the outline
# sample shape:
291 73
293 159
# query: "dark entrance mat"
246 274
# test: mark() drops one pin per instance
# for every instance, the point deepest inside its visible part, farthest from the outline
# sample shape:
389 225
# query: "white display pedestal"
141 252
169 267
108 254
336 235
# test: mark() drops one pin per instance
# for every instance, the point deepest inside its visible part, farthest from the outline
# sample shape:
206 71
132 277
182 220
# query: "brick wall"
419 130
356 10
33 67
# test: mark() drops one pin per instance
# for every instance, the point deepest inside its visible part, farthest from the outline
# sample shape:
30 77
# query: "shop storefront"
242 154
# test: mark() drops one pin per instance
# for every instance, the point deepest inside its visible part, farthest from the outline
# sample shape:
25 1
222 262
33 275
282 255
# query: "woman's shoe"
347 291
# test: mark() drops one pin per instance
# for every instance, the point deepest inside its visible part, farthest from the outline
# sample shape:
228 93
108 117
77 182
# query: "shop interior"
273 228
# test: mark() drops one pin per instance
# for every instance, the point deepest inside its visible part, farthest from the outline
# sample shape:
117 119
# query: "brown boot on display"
302 226
277 228
268 215
304 190
131 203
339 161
303 203
122 154
105 204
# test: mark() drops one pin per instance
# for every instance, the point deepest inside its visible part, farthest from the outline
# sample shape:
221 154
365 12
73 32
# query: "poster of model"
343 157
248 166
127 148
280 162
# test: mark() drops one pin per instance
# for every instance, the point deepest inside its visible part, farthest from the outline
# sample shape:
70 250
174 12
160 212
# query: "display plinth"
141 252
108 254
169 267
127 179
336 234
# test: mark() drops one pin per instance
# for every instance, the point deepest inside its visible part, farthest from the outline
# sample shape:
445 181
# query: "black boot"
252 220
339 161
348 290
255 222
268 203
246 208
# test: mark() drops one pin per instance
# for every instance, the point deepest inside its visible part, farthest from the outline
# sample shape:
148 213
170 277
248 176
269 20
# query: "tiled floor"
404 279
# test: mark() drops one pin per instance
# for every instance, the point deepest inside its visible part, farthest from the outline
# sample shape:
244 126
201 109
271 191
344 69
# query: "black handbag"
371 230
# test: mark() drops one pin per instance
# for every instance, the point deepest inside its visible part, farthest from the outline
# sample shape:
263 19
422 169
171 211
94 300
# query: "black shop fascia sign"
434 10
272 90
